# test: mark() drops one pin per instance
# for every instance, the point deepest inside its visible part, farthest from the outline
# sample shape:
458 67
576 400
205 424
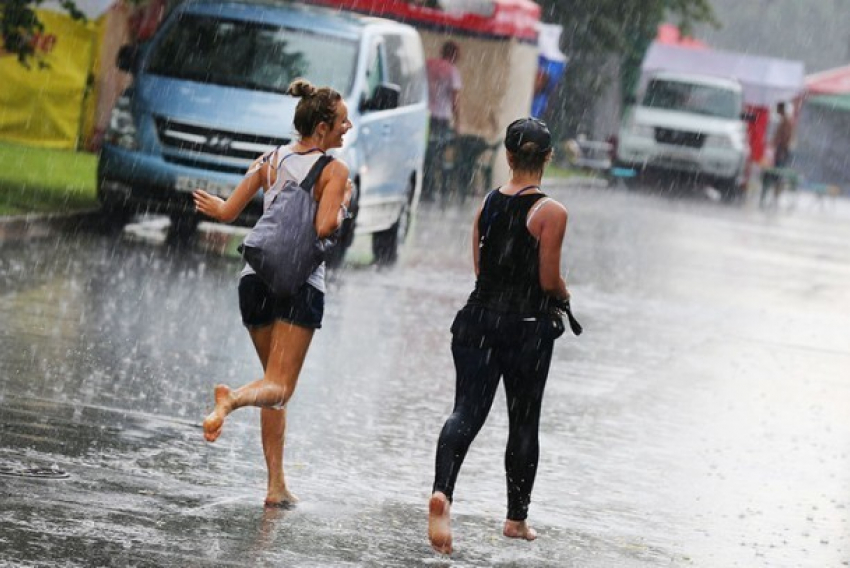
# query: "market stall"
498 56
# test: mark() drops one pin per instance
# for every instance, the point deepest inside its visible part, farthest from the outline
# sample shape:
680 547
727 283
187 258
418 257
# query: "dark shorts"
260 307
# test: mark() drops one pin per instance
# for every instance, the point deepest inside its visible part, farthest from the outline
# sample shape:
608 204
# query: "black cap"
528 130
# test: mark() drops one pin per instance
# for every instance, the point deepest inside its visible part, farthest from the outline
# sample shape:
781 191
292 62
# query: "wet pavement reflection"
700 420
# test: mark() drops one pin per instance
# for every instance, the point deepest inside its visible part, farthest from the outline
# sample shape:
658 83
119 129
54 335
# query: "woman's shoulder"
336 168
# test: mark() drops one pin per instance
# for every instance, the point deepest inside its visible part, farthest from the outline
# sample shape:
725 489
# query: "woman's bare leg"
288 348
273 428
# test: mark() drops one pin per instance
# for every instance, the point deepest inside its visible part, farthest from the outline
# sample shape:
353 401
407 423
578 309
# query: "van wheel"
112 220
385 244
730 190
183 228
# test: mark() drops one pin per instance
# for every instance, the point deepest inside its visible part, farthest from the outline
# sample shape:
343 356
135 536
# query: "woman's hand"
208 205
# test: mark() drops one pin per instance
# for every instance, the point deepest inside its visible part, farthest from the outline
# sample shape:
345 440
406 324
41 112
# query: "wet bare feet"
519 529
439 523
281 499
215 420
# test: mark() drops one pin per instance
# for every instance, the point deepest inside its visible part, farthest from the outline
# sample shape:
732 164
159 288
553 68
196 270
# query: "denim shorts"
260 307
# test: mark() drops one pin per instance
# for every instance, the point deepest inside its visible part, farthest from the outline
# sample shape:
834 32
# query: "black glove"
564 306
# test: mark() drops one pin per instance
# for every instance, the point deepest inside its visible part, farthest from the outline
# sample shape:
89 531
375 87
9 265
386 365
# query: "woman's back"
509 263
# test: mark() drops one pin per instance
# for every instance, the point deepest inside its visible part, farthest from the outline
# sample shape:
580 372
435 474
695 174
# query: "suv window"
405 67
690 97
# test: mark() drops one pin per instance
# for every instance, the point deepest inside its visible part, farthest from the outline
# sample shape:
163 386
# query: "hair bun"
301 88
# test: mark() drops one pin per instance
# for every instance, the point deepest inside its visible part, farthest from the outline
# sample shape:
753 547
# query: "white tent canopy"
766 80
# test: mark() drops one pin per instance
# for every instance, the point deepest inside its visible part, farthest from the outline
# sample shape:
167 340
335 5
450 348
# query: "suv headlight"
122 126
719 141
643 131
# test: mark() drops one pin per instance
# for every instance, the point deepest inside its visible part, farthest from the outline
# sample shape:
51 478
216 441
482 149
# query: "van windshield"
251 55
695 98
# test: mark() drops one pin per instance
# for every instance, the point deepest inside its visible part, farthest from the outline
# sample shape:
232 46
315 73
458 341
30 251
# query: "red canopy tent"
487 18
830 82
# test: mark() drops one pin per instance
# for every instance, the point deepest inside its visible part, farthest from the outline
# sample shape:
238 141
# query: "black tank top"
509 260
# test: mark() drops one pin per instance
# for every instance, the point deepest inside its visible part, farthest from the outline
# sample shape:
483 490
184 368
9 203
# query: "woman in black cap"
507 329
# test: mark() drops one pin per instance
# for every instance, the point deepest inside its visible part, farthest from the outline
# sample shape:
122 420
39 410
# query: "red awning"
830 82
489 18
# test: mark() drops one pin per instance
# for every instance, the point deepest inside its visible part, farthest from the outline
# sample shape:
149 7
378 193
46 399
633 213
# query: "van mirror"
127 58
630 99
386 97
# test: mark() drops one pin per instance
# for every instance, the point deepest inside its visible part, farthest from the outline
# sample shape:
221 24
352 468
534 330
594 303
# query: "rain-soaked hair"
530 157
529 143
317 105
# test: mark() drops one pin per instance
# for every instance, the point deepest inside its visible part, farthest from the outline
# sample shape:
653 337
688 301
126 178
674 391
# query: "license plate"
190 184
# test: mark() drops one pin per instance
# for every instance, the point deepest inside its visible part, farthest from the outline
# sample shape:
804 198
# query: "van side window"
375 70
406 67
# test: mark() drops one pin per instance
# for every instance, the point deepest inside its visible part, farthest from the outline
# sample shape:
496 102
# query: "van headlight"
122 126
643 131
719 141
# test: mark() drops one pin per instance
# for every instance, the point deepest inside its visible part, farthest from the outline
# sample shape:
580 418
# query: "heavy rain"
699 420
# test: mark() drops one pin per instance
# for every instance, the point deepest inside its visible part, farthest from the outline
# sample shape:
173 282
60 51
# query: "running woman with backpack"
506 330
282 328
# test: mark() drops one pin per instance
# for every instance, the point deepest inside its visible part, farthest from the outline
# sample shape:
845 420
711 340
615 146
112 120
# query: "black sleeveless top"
509 260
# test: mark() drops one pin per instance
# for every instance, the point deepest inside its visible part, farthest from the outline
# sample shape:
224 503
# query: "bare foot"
215 420
439 523
519 529
281 499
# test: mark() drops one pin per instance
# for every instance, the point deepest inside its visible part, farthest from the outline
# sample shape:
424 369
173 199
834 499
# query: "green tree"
19 26
597 30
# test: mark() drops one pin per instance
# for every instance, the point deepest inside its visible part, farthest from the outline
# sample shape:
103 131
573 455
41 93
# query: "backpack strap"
314 173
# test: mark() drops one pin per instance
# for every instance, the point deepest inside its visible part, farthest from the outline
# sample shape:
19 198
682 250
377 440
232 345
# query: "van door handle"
387 129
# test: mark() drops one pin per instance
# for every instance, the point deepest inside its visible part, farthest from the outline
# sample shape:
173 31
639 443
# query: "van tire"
730 190
183 228
385 244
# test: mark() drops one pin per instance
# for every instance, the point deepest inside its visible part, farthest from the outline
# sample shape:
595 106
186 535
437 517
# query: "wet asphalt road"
703 419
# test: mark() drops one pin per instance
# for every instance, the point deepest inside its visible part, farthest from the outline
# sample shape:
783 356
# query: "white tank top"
295 167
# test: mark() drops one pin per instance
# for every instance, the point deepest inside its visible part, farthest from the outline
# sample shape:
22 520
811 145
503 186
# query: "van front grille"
200 144
679 137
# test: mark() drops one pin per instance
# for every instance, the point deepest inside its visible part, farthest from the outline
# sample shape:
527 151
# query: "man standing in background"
781 141
444 86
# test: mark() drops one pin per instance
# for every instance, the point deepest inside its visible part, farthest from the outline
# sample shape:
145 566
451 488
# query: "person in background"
444 86
781 142
282 328
506 330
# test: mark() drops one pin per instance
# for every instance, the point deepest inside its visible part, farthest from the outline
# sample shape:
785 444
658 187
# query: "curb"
21 227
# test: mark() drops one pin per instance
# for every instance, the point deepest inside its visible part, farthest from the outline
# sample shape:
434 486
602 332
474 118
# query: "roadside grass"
38 180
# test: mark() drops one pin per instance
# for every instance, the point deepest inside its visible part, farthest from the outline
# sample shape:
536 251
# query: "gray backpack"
283 247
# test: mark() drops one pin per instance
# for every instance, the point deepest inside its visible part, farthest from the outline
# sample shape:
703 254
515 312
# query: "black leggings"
486 347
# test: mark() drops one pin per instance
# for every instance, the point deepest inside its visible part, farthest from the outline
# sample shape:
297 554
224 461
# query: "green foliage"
595 31
20 26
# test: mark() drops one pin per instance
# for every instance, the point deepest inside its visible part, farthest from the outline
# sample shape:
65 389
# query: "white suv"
688 123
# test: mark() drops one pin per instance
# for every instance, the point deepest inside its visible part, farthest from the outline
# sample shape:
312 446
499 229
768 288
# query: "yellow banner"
47 107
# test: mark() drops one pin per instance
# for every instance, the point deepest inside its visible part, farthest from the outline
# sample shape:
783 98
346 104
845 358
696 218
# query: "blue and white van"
208 96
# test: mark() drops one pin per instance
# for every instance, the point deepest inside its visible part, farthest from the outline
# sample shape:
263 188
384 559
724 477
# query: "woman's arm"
476 243
334 192
227 211
549 225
